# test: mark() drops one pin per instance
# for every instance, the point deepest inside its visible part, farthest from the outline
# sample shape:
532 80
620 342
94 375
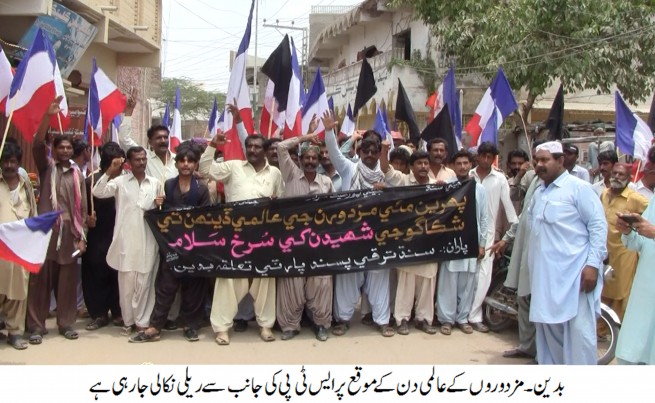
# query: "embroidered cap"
553 147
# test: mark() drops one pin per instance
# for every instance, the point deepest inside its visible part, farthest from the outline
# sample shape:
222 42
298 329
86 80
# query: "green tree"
195 101
587 44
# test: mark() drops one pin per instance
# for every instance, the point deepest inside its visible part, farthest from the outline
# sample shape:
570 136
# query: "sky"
199 34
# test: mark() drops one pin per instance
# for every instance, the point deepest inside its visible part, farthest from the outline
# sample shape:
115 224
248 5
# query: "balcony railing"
351 72
332 9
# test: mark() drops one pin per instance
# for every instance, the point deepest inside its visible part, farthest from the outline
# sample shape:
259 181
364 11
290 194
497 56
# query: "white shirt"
241 180
580 172
133 247
568 231
643 190
155 167
497 192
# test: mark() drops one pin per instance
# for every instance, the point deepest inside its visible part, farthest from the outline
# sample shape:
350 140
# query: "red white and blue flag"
34 87
175 137
381 125
6 76
348 125
316 103
105 102
497 103
166 119
238 89
294 126
215 123
633 136
25 241
270 110
115 124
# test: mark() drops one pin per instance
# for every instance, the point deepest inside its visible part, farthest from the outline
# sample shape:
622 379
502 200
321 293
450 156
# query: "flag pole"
637 172
93 210
11 115
206 131
527 138
61 127
270 120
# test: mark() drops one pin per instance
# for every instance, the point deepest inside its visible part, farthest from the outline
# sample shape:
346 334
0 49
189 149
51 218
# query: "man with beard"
16 203
457 277
364 174
416 282
619 198
518 164
161 161
566 249
606 161
315 291
133 251
180 192
99 280
62 188
244 180
571 154
497 192
438 149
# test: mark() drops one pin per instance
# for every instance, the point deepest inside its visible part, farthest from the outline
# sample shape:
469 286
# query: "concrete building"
125 40
398 46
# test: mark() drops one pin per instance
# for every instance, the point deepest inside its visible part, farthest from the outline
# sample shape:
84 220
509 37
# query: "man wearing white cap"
567 246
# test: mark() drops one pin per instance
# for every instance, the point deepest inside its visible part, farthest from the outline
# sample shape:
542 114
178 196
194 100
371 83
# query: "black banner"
323 234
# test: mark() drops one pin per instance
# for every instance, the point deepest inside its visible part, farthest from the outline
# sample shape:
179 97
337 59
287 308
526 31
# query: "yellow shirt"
623 260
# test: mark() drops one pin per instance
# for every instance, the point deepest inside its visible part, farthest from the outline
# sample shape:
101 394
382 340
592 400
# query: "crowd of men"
559 225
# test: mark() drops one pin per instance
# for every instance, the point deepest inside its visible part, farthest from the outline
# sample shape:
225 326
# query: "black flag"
405 112
278 68
365 86
555 122
442 127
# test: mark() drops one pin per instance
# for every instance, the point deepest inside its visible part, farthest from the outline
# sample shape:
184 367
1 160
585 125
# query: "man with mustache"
16 203
62 188
416 282
364 174
619 198
606 161
438 149
243 180
566 247
293 293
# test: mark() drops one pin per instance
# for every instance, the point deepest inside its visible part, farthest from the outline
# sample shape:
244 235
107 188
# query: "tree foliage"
195 101
587 44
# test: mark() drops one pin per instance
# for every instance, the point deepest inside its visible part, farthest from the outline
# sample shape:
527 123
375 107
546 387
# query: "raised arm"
106 187
288 169
39 151
208 168
125 139
342 164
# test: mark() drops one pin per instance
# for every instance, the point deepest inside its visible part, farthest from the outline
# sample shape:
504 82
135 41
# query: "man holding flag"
16 203
62 188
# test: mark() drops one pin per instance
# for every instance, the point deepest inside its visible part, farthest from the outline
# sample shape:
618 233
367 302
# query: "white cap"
552 147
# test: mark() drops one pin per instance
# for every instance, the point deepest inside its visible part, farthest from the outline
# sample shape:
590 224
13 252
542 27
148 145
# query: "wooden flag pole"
11 115
61 127
527 138
206 132
637 172
92 135
270 120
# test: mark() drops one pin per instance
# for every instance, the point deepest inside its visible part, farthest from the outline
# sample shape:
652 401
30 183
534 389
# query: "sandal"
403 328
446 329
266 334
465 328
97 323
387 331
35 338
17 342
426 327
143 337
69 333
127 330
222 338
340 328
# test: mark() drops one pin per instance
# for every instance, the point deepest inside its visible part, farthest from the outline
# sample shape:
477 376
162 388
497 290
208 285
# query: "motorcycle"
500 311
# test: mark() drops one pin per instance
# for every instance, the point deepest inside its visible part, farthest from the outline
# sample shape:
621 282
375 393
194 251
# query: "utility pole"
303 51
